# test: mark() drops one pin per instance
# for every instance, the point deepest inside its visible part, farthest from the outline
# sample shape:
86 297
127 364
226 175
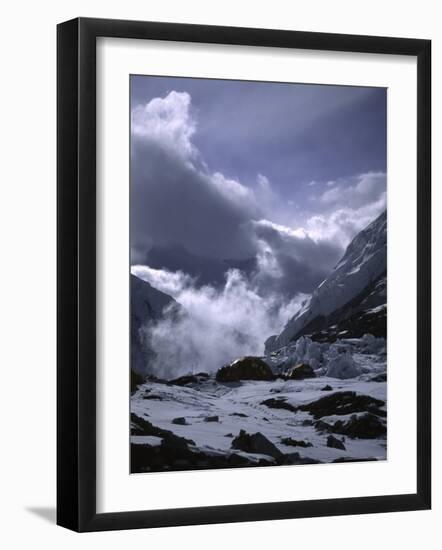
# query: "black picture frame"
76 274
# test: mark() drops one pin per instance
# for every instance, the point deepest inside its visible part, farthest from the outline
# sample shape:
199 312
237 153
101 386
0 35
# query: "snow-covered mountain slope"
357 283
147 305
146 301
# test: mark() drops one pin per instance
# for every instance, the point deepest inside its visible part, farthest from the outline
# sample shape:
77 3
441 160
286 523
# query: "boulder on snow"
382 377
342 366
279 403
343 402
141 426
188 379
327 387
246 368
295 442
366 426
255 443
300 372
135 380
335 443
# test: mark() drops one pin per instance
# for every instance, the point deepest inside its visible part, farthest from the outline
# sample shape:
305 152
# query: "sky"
292 133
278 175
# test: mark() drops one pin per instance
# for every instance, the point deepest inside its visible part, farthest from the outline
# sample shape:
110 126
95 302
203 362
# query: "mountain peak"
363 263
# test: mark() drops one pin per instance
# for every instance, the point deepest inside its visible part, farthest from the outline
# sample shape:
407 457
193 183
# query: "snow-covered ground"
211 414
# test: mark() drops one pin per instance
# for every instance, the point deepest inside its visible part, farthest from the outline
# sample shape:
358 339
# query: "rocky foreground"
248 414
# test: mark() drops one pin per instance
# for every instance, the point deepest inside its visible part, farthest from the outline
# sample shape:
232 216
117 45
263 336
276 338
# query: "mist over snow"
217 325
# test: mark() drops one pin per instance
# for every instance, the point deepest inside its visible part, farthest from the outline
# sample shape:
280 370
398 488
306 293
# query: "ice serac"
147 305
357 282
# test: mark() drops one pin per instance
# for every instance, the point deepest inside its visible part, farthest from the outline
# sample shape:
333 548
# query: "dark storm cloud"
293 134
291 261
174 202
178 202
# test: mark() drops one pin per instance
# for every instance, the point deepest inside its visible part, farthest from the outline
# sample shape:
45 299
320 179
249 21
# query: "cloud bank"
217 325
177 200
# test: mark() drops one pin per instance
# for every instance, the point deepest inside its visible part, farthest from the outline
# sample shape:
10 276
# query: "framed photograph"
243 274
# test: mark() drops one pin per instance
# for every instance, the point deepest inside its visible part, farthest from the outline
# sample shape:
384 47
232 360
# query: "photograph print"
258 274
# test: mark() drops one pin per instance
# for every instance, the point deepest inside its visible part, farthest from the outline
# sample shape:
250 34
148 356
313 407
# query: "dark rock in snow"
242 415
280 403
228 435
153 378
141 426
255 443
189 379
382 377
152 396
300 372
295 442
135 380
166 457
323 426
335 443
345 402
180 420
296 459
211 419
327 388
307 422
246 368
354 325
366 426
183 380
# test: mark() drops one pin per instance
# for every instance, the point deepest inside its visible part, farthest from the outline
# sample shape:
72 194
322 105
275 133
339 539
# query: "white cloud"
218 325
167 121
340 226
172 283
232 190
346 207
365 188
